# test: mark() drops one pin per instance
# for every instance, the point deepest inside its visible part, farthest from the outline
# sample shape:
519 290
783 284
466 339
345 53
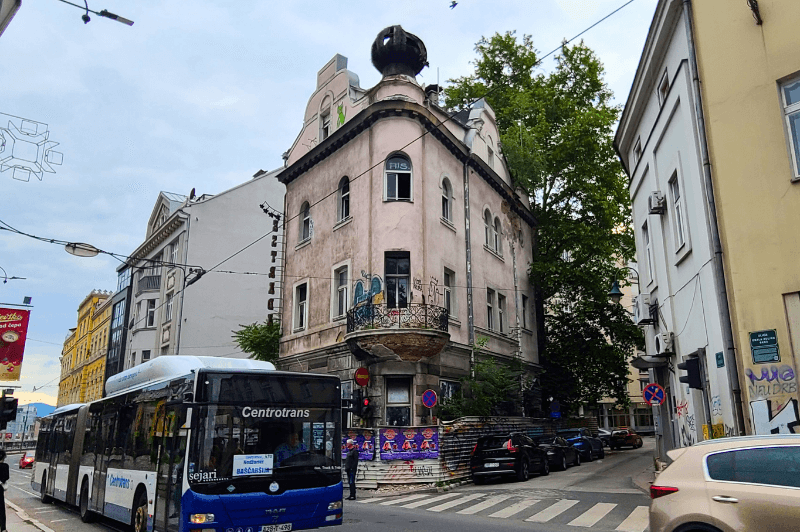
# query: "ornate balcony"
378 333
149 282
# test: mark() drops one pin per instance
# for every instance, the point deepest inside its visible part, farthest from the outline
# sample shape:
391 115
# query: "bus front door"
171 461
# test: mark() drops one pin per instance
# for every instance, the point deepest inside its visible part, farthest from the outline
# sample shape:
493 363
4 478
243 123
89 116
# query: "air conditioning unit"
641 310
665 343
657 203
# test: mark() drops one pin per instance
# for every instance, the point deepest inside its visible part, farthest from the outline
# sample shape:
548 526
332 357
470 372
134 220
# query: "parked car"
515 454
26 462
559 452
730 484
582 439
624 437
605 437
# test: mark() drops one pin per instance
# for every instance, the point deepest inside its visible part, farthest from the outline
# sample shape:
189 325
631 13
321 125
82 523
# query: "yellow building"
83 359
748 59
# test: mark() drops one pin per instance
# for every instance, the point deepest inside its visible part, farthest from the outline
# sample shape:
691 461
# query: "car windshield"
569 433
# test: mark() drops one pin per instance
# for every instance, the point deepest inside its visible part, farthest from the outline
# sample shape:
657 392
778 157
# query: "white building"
23 427
683 297
193 282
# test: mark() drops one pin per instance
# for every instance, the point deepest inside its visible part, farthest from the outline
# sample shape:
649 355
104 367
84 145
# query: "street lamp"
615 294
6 277
80 249
104 13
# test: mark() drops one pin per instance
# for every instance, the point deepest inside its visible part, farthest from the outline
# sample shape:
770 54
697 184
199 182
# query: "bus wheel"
42 495
140 512
87 516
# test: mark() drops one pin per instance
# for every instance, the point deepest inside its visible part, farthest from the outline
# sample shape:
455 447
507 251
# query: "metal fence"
413 316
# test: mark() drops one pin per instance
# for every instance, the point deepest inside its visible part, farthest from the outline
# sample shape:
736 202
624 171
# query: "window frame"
662 89
448 277
709 478
343 200
678 211
790 110
501 313
150 313
487 227
168 306
524 305
305 223
399 255
637 152
490 293
407 381
497 234
336 290
396 173
300 308
447 200
648 252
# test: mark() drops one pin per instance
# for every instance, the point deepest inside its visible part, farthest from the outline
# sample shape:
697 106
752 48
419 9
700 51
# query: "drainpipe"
518 328
183 283
711 221
470 320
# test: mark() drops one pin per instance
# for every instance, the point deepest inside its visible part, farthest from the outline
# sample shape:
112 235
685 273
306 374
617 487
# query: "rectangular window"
325 129
398 402
663 89
300 306
145 355
648 252
524 311
449 277
151 313
168 308
174 252
637 151
448 390
773 466
501 312
790 93
340 296
490 309
398 276
680 229
491 158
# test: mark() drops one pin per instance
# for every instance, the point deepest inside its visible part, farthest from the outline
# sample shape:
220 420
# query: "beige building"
405 240
83 357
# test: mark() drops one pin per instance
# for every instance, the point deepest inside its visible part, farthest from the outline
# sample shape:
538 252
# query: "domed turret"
397 52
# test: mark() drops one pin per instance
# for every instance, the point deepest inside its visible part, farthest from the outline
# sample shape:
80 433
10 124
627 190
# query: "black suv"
514 454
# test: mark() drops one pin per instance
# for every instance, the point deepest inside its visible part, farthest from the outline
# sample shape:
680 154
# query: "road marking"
428 501
488 503
367 501
593 515
508 511
554 510
59 520
404 499
462 500
637 521
25 517
48 511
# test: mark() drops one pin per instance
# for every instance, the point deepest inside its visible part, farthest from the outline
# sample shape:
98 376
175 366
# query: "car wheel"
522 472
577 459
42 493
87 516
139 523
563 462
545 468
589 456
640 443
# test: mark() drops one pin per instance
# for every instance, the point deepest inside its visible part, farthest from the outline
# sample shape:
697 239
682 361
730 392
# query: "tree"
556 135
260 340
494 390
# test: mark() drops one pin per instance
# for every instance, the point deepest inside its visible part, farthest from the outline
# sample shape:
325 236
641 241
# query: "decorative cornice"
394 109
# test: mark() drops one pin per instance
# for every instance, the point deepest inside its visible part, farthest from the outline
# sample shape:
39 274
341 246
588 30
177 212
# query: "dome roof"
396 51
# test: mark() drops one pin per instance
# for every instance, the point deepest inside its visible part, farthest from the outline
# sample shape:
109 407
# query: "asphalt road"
599 495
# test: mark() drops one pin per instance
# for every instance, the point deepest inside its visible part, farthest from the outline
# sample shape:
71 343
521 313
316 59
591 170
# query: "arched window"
305 222
487 225
397 179
447 200
497 234
344 199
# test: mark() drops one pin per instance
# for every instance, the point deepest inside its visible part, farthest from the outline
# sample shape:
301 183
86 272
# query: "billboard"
13 330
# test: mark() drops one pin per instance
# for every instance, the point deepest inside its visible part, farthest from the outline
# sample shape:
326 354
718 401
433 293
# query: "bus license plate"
491 465
285 527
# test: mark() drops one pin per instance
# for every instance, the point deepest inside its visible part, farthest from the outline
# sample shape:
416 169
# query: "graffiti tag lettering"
783 421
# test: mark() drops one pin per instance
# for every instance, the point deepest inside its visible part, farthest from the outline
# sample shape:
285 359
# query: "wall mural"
341 111
780 419
374 293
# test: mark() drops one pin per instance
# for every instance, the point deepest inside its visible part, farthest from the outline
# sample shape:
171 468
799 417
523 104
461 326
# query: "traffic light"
358 402
692 377
366 408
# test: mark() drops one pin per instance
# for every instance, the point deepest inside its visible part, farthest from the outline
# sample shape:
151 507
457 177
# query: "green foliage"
556 135
260 340
494 390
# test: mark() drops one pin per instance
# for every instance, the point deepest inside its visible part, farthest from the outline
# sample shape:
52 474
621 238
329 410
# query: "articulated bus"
199 444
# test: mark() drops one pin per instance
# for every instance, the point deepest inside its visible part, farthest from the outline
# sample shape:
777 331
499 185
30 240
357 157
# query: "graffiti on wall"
773 381
682 408
434 295
369 290
716 406
780 419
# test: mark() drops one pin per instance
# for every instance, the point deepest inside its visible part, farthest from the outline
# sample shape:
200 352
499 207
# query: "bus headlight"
201 518
336 505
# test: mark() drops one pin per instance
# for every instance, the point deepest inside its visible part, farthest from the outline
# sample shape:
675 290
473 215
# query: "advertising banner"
13 331
409 443
365 441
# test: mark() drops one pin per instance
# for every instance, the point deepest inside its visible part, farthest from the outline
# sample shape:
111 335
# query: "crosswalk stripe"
637 521
591 516
508 511
428 501
488 503
404 499
450 504
553 510
370 500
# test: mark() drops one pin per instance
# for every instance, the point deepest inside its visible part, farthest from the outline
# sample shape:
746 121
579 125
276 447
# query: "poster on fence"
409 443
365 441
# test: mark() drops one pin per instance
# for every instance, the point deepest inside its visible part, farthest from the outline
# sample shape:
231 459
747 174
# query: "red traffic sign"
429 398
653 394
361 376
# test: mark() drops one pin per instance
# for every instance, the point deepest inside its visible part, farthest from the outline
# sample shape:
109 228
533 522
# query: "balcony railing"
150 282
414 316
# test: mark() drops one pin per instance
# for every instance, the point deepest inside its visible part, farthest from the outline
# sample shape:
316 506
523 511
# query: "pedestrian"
4 475
351 466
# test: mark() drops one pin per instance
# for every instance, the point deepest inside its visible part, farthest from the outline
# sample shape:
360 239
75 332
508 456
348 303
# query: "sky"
203 95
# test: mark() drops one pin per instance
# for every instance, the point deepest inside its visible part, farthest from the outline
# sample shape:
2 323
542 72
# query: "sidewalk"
18 521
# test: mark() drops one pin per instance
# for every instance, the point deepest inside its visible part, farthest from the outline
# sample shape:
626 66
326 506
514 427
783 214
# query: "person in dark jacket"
4 476
350 466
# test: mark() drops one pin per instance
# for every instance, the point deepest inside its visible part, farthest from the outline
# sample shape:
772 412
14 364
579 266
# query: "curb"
27 519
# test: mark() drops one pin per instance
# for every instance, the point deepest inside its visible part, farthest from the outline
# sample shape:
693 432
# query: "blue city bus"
199 444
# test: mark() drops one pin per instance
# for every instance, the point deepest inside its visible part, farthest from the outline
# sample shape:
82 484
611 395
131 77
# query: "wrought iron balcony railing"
414 316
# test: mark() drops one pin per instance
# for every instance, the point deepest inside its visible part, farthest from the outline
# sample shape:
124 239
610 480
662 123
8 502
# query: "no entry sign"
361 376
653 394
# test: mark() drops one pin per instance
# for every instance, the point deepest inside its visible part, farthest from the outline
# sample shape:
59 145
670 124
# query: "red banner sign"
13 331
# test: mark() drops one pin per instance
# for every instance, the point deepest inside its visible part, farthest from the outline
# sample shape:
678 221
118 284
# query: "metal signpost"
429 399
